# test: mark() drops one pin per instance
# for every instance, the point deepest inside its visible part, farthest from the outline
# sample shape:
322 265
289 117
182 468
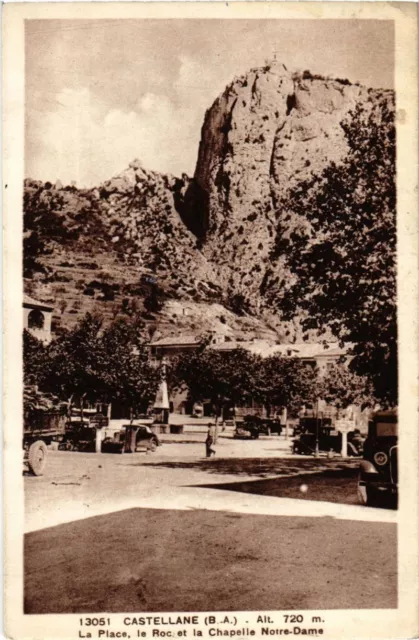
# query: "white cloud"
82 140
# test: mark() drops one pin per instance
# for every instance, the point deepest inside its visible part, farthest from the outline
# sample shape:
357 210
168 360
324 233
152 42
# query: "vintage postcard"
211 320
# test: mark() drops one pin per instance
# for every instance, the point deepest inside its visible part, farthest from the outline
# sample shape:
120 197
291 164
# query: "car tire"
153 445
105 443
37 457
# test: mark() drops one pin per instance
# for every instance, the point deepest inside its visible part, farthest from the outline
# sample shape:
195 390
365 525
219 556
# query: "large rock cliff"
269 131
206 240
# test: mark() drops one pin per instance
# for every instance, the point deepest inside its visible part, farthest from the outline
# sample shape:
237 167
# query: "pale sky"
100 93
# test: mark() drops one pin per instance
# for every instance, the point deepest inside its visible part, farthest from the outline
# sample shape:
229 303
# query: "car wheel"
153 445
105 444
37 458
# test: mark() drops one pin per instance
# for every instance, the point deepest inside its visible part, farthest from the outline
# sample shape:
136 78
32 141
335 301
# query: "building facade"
37 318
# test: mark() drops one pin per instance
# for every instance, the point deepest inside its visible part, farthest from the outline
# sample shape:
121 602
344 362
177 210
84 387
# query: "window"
36 319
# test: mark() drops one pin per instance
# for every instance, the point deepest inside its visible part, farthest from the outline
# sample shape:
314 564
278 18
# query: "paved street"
160 531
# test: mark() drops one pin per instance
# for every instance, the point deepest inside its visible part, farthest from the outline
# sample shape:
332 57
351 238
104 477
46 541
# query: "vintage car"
257 425
378 474
131 438
313 433
81 428
79 435
245 431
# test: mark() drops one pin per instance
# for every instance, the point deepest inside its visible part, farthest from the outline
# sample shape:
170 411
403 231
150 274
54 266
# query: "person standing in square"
208 443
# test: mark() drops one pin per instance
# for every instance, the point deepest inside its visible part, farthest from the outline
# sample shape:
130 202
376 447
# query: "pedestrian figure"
208 444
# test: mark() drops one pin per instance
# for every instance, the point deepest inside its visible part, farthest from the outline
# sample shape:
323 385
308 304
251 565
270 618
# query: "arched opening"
36 319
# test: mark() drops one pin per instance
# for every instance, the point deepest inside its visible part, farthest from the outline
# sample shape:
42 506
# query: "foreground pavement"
81 485
198 560
173 531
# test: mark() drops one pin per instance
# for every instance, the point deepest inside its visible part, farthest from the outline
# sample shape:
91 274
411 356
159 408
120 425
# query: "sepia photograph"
208 292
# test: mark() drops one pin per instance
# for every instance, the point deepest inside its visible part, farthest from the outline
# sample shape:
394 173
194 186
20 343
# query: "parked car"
246 431
131 438
378 474
254 426
79 435
310 430
146 439
265 426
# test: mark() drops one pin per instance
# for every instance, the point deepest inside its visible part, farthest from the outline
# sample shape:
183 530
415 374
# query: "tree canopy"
216 376
341 255
341 387
236 376
287 382
100 363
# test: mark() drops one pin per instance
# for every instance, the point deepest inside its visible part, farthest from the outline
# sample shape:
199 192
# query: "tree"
125 367
341 388
341 255
287 382
35 359
76 362
102 364
219 377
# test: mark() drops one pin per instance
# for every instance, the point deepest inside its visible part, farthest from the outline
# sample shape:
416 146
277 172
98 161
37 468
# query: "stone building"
37 318
173 346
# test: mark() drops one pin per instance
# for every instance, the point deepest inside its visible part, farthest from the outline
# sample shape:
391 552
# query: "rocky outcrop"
120 247
140 209
207 239
266 133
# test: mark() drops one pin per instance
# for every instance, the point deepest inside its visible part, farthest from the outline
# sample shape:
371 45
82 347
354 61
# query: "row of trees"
236 377
102 364
105 364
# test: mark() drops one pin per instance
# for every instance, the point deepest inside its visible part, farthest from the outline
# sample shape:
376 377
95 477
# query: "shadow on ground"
331 485
198 560
261 467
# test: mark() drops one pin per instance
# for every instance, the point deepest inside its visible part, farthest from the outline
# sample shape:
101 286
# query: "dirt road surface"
173 531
